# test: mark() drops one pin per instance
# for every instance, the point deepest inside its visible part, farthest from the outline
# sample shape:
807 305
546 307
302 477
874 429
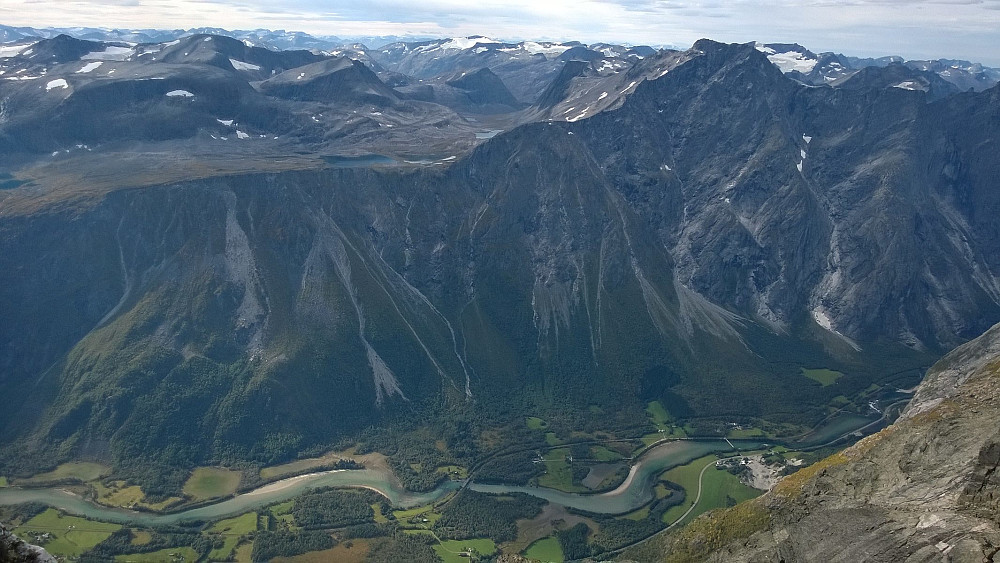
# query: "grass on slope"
535 423
822 376
70 535
82 471
211 482
661 418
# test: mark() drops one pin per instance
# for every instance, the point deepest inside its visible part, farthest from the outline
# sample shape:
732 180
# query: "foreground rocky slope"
926 488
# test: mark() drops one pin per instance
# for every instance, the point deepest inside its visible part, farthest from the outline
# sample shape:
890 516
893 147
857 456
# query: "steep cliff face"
771 207
926 488
715 230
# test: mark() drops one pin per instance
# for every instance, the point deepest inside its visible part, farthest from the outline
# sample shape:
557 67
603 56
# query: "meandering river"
633 493
636 490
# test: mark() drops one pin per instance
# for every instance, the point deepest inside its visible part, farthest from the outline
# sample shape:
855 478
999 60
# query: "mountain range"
214 252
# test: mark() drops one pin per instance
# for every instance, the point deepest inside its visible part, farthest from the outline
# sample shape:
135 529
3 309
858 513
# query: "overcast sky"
968 29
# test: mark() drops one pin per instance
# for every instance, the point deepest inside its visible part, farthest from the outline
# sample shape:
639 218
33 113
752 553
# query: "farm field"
211 482
546 550
70 535
450 551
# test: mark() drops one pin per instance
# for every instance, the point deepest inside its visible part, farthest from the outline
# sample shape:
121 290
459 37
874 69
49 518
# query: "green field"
211 482
453 471
551 439
450 550
3 482
75 471
661 418
283 513
546 550
604 454
118 494
141 537
71 536
243 552
185 554
637 515
232 530
752 432
558 472
418 515
379 517
719 489
536 423
822 376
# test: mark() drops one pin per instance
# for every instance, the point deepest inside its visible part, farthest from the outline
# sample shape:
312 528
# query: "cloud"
912 28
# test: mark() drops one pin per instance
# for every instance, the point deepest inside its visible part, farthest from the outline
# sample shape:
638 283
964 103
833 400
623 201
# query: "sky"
962 29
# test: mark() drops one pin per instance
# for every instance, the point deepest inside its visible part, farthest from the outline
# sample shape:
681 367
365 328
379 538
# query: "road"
696 499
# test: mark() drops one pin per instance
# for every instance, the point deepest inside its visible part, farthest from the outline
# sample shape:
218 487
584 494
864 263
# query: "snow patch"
764 48
111 53
799 166
802 153
57 83
89 67
581 116
179 93
240 65
806 138
788 61
226 122
543 48
241 135
7 51
462 43
602 96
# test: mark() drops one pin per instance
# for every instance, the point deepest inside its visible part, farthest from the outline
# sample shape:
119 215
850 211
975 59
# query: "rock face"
926 488
13 550
693 229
